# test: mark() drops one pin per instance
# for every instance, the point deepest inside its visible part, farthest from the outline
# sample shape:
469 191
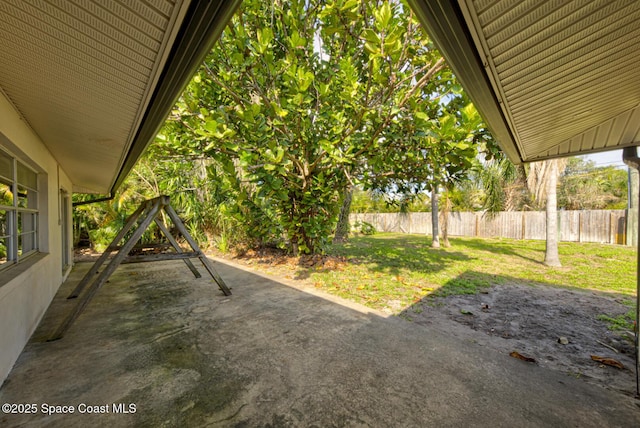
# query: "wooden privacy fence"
602 226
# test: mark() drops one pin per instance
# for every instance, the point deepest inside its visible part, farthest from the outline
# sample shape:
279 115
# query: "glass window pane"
4 251
26 177
27 232
26 243
6 166
27 198
5 227
6 238
18 192
6 194
26 223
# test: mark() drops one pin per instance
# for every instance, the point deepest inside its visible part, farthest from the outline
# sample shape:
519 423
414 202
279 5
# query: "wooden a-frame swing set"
148 212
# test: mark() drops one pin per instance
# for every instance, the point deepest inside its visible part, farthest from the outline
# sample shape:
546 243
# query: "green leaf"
264 36
421 116
296 40
279 111
350 5
383 15
371 36
211 126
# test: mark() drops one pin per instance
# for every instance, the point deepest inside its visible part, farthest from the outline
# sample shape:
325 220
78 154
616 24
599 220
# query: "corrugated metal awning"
96 79
551 78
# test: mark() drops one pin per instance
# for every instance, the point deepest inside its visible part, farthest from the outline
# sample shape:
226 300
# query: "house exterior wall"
27 288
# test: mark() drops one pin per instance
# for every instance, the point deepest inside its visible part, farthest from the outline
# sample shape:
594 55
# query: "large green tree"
430 153
300 97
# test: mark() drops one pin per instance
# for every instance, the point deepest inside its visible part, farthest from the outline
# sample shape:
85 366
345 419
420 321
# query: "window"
18 210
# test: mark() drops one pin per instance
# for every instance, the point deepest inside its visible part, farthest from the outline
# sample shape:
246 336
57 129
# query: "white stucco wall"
27 289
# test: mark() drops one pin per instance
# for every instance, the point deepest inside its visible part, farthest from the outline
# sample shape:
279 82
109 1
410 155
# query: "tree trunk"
551 257
434 217
446 208
343 227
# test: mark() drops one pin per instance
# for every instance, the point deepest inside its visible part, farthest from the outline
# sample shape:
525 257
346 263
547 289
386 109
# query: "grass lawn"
391 271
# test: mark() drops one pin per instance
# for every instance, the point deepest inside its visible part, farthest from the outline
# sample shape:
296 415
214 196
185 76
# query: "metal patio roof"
95 79
551 78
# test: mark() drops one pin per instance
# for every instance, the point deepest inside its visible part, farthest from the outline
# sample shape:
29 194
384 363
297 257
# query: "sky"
610 158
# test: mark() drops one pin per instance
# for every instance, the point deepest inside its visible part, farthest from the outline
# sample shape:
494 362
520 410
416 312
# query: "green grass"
624 321
394 271
621 322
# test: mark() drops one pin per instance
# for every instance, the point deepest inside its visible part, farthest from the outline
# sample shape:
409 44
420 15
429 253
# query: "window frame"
19 217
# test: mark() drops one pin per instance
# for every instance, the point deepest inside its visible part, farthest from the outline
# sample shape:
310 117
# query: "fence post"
524 225
477 224
610 227
579 226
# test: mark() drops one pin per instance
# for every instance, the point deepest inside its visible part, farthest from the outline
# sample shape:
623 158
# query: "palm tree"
505 187
551 257
435 229
542 182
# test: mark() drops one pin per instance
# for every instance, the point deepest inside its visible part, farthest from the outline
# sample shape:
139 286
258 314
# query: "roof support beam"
630 157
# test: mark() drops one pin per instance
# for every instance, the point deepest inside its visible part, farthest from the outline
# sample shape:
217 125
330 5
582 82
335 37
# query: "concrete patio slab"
157 347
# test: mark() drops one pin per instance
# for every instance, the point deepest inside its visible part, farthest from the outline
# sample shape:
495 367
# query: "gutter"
93 201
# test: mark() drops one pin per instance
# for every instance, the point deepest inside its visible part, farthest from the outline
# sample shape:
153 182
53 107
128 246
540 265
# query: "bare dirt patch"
558 328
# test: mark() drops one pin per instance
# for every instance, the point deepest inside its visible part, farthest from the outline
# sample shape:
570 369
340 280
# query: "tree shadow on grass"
509 248
392 253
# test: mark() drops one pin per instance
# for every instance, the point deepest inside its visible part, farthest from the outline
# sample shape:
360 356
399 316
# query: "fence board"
535 225
421 223
619 231
462 224
597 226
569 223
603 226
502 225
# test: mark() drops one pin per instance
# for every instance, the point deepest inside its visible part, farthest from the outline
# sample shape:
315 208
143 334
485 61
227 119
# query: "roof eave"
445 24
202 26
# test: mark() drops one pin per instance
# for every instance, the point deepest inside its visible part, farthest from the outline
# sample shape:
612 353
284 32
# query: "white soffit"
81 74
567 73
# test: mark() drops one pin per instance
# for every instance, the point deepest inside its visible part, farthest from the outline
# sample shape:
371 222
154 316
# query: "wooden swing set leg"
194 246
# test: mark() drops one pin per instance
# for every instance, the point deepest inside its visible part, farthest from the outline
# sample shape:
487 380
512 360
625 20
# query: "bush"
364 228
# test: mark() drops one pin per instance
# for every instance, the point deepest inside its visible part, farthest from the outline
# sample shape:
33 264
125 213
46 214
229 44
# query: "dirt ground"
534 321
557 327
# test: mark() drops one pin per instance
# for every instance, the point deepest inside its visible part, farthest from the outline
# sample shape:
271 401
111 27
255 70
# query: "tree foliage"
300 102
302 99
584 186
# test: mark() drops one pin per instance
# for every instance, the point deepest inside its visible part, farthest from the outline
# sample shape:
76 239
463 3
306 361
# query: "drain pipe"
630 157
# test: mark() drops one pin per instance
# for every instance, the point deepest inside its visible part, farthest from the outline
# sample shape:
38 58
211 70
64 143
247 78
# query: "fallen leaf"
465 312
608 361
519 356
